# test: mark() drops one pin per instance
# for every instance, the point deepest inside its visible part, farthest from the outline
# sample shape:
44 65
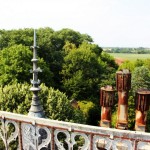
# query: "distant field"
130 57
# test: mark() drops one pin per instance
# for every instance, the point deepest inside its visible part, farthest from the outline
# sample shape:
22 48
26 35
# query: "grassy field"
130 57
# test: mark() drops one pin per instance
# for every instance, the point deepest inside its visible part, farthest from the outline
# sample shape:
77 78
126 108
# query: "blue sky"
117 23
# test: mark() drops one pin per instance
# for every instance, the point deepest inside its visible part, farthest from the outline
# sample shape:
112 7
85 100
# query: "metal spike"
36 109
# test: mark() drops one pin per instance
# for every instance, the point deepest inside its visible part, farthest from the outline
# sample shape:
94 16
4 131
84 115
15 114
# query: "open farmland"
129 56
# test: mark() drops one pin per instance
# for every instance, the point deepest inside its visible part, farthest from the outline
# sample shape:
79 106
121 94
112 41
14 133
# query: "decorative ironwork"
70 140
33 137
36 108
30 136
6 133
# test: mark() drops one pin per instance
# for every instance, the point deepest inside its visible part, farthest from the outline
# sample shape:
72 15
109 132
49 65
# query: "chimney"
123 85
107 95
142 103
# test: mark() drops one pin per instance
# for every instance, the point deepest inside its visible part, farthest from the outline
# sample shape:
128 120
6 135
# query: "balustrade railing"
22 132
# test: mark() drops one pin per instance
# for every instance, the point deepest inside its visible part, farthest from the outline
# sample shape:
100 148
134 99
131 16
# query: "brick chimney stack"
123 85
142 103
107 95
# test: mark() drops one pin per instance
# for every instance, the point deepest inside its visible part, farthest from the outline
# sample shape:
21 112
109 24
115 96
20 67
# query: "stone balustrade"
31 133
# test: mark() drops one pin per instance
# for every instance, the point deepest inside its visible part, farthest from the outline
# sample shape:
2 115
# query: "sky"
111 23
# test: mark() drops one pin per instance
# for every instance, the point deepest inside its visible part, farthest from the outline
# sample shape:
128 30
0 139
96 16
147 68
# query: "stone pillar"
107 95
123 85
142 103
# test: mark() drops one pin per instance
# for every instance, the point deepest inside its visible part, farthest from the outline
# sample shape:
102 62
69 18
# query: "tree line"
138 50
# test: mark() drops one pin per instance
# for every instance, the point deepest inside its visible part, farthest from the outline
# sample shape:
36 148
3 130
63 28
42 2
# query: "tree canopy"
73 67
15 66
70 62
17 98
82 71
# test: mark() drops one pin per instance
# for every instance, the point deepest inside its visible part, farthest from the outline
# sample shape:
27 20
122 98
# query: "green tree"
139 63
50 44
17 98
58 107
108 77
131 111
68 47
91 112
16 37
16 63
73 36
140 78
82 70
147 63
127 65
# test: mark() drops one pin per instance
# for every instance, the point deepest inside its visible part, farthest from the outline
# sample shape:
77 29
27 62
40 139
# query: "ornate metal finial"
36 109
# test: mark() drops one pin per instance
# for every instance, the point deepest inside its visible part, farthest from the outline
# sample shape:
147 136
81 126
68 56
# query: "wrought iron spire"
36 109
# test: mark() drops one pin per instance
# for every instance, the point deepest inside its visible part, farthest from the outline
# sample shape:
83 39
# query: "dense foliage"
70 62
82 70
15 66
73 65
17 98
